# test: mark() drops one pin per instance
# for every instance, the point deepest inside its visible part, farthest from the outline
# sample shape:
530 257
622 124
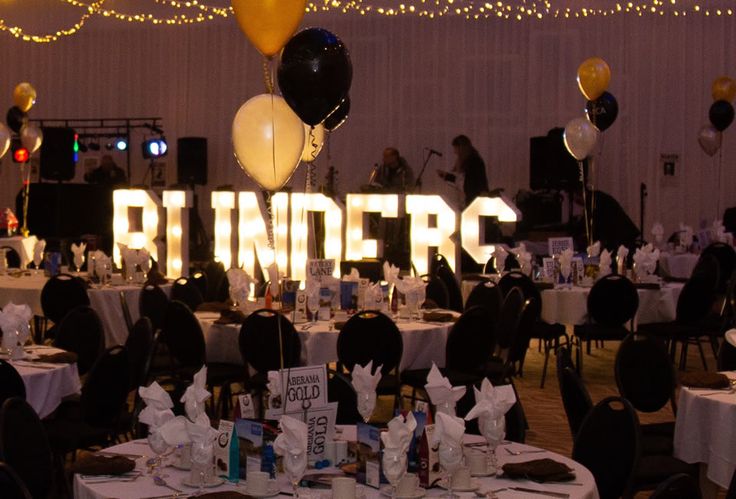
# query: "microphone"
433 151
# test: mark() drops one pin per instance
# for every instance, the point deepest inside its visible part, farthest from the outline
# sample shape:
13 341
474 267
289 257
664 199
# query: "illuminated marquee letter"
252 234
177 224
357 248
223 203
423 237
301 205
470 224
122 200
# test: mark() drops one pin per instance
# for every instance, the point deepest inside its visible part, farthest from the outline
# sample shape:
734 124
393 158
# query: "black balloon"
16 118
603 111
314 74
721 114
338 116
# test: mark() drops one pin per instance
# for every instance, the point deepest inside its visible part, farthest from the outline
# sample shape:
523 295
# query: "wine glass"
37 259
78 261
366 404
202 460
159 447
394 467
412 302
494 431
295 463
451 459
313 306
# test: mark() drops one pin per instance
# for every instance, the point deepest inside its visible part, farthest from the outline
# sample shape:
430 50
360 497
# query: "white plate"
420 492
273 489
178 466
490 472
215 481
474 485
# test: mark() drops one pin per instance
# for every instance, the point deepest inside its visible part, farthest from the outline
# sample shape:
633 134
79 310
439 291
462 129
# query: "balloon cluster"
720 115
601 110
272 134
31 137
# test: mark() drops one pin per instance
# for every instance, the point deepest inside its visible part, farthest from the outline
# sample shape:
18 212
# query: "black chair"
725 255
217 283
11 484
575 397
152 304
11 384
200 281
511 349
440 268
646 377
680 486
25 447
607 443
81 332
59 296
372 336
612 303
140 346
436 292
11 257
731 493
548 334
93 420
486 294
726 356
340 390
186 291
126 312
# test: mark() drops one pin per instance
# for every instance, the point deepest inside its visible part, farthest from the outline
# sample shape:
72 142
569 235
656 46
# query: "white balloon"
268 138
313 144
31 137
4 139
580 138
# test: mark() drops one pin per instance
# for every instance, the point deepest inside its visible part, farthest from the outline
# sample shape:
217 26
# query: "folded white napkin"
604 263
78 250
239 283
273 276
373 299
103 263
365 382
38 250
491 402
594 249
158 405
292 444
174 431
645 259
686 235
144 259
499 259
353 276
195 395
14 324
658 232
621 255
448 430
390 272
565 260
202 436
129 256
442 394
400 432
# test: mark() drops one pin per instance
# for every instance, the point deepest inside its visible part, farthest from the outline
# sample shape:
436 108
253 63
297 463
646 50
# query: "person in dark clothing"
471 165
394 174
108 173
611 225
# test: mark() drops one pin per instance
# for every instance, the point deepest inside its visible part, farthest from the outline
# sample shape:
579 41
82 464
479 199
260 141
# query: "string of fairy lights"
189 12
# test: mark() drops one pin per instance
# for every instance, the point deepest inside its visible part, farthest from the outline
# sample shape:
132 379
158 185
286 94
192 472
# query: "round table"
144 488
46 384
424 342
705 431
679 265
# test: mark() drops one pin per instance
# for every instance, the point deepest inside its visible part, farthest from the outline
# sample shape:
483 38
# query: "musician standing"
395 174
471 165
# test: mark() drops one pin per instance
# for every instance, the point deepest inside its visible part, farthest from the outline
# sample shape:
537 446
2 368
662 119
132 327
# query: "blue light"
121 144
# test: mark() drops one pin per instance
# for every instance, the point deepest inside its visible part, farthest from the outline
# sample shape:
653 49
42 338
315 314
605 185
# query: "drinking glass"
295 464
494 431
366 405
202 462
159 448
313 306
394 467
451 458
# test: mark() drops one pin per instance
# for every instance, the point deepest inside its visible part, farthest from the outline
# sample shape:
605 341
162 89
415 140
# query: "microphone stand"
418 183
642 203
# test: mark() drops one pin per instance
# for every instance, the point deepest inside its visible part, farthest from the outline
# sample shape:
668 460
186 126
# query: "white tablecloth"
105 301
144 487
678 265
46 387
423 342
23 246
570 306
705 431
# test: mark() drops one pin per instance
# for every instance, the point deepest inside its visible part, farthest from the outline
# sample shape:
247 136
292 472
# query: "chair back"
152 304
126 312
340 390
139 345
522 336
370 335
106 389
613 301
11 484
608 444
186 291
183 336
11 384
680 486
259 341
644 373
727 354
575 397
25 447
508 320
437 292
697 297
470 345
725 255
218 288
486 294
441 269
11 257
517 279
61 294
81 332
200 281
516 423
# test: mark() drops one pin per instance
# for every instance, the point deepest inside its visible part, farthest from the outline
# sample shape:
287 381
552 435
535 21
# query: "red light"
21 155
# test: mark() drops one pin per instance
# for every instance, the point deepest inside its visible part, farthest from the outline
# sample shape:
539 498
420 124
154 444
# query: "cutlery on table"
540 492
162 483
520 452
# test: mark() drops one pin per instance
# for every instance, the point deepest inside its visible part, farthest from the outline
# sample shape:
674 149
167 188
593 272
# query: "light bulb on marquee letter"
357 248
123 199
177 228
470 224
301 205
280 212
423 237
252 234
223 203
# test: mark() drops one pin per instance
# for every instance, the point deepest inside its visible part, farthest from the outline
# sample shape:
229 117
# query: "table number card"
318 267
578 270
300 307
302 388
548 267
556 245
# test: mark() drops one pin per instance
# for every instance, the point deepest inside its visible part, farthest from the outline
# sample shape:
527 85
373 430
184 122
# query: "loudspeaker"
191 161
58 157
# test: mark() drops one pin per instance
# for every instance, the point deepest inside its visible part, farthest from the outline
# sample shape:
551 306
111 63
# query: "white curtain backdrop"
417 83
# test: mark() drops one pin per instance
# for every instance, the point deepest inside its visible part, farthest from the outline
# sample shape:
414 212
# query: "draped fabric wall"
417 83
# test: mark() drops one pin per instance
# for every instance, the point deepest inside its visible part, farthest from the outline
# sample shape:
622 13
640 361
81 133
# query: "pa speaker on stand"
191 169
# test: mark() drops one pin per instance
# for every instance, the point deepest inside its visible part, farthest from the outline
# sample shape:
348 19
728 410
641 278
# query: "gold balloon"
724 88
594 75
269 24
24 96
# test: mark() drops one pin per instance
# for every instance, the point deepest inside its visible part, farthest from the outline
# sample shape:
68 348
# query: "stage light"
121 144
155 148
21 155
